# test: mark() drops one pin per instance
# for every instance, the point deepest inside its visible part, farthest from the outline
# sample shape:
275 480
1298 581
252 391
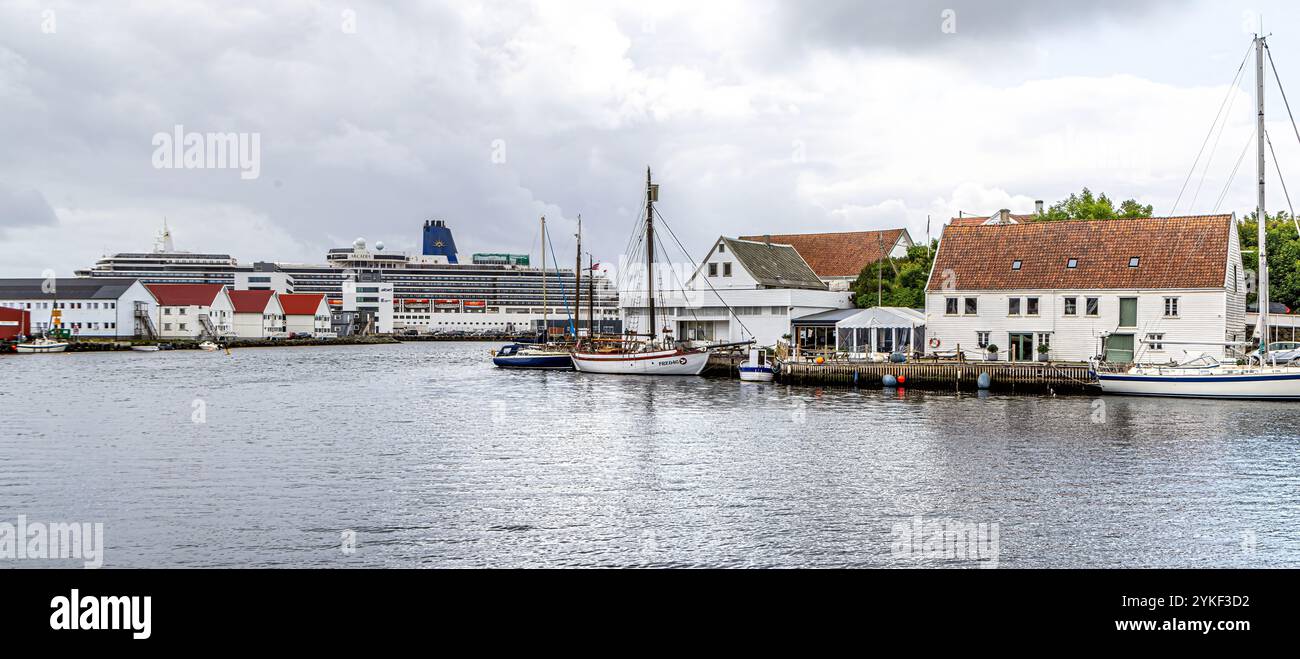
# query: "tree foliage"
1283 256
1087 206
901 281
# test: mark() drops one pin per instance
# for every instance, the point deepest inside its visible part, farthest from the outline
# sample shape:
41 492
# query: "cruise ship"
431 291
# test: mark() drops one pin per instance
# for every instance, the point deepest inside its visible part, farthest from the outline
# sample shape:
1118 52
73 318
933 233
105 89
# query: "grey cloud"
24 207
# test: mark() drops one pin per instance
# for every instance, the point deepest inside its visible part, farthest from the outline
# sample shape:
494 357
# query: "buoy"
821 360
890 381
984 381
902 379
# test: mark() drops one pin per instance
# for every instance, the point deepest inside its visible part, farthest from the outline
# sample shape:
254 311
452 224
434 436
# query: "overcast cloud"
757 117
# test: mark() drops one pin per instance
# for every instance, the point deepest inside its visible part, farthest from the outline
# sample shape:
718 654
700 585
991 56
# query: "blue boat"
518 355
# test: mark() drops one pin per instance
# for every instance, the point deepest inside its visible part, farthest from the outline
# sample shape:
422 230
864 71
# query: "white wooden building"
108 307
257 314
193 311
1150 290
306 313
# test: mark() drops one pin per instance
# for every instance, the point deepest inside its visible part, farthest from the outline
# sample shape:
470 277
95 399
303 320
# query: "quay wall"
1029 377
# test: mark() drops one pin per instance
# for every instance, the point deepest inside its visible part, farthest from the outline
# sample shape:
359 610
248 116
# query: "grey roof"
774 265
79 288
825 317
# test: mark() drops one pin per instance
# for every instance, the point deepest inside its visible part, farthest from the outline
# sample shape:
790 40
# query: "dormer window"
1072 263
722 247
1015 265
1133 261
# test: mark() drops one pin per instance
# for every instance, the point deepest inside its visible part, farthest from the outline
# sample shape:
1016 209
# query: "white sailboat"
652 353
1206 377
40 346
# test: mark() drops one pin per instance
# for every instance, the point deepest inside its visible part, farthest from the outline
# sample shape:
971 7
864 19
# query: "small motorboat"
146 348
41 345
209 346
757 368
518 355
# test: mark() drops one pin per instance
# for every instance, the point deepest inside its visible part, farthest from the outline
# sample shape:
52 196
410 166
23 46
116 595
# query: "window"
713 269
950 306
1045 340
182 311
1072 263
1013 306
1031 306
722 247
1015 265
982 339
1234 277
182 326
1071 306
167 311
1154 340
167 327
1171 307
1133 261
726 269
1092 306
972 306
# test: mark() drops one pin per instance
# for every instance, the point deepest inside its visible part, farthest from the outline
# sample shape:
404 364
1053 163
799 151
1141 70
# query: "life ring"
935 342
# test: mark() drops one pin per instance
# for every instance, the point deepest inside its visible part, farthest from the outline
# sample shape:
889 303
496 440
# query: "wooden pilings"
959 376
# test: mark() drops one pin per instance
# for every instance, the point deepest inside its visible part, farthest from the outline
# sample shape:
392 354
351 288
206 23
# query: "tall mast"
591 295
577 284
546 325
650 251
1262 296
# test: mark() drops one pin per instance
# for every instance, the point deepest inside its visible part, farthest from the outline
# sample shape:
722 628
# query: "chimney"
1004 216
1038 207
767 238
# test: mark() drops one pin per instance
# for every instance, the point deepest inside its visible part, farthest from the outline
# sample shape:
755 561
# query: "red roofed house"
257 314
193 311
305 313
842 256
1146 290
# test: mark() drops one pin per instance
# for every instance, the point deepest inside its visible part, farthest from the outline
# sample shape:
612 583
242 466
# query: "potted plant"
993 352
1043 350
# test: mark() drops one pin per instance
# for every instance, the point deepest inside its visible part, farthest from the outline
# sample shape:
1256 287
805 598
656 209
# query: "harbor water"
423 454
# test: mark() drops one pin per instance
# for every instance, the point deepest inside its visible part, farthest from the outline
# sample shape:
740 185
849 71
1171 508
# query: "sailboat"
653 353
544 356
1205 376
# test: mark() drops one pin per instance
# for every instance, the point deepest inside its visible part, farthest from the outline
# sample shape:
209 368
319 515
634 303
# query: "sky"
757 116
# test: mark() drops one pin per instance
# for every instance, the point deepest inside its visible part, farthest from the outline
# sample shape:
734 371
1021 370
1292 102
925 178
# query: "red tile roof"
1174 252
842 254
300 304
975 220
250 301
185 295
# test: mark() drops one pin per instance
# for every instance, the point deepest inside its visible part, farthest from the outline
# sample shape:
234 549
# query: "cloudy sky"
756 115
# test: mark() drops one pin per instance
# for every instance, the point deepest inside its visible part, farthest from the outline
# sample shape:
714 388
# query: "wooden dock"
1028 377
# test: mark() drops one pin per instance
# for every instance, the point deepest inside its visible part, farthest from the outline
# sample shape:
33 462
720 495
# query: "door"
1119 348
1128 312
1020 346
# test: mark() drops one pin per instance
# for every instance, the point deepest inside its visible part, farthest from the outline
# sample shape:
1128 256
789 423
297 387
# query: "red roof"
975 220
185 295
250 301
301 304
842 254
1171 252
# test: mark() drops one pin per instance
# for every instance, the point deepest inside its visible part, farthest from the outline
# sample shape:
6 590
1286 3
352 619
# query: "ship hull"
660 362
560 362
756 373
1254 385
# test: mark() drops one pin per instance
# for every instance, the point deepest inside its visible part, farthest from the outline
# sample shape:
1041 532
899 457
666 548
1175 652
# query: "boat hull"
1259 385
660 362
39 349
559 362
145 348
756 373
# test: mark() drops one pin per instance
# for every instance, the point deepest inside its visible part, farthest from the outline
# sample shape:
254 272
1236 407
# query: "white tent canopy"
882 330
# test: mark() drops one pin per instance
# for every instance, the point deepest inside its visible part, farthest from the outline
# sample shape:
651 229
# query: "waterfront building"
372 298
1149 290
110 307
14 323
306 313
257 314
193 311
1004 216
839 257
742 290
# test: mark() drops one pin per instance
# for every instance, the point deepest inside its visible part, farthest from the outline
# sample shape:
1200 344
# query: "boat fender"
889 380
984 381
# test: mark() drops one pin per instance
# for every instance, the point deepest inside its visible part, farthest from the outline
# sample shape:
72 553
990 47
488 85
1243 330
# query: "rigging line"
706 279
563 295
694 317
1231 87
1278 167
1209 158
1233 176
1285 102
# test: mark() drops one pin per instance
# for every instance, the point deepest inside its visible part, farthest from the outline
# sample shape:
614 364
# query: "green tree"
1283 256
1087 206
901 281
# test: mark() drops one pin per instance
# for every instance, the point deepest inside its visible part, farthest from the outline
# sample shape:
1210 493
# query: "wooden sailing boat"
653 353
1205 377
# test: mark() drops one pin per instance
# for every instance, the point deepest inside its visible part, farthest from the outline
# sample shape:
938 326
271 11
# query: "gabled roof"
842 254
79 288
773 265
300 304
1173 252
185 295
970 221
250 301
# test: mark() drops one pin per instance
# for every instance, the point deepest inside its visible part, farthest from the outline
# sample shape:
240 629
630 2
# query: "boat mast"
650 251
591 295
1262 296
546 325
577 284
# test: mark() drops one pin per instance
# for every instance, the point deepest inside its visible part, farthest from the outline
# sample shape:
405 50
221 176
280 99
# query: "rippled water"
435 458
